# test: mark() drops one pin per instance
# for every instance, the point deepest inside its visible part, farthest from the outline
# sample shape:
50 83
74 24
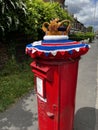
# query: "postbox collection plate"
40 86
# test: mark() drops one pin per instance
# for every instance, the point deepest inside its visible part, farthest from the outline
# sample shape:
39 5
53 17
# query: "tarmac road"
23 114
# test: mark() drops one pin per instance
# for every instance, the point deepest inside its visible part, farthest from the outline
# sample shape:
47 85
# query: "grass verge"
15 81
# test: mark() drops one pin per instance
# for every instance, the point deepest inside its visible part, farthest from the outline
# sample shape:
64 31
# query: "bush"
81 36
12 15
26 18
90 35
39 12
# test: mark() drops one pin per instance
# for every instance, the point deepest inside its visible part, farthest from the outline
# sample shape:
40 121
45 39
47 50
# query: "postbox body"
55 69
55 84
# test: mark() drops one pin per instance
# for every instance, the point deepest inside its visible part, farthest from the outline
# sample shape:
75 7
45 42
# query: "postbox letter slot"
42 71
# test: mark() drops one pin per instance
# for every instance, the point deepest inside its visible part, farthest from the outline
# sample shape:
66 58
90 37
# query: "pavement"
23 114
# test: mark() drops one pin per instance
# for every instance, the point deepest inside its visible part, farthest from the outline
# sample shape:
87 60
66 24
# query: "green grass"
15 81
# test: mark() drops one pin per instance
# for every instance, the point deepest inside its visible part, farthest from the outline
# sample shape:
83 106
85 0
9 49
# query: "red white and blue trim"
56 49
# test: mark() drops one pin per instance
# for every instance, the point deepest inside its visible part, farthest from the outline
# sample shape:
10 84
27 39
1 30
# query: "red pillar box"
55 69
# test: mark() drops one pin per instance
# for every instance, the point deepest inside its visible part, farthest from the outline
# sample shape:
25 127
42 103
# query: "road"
23 114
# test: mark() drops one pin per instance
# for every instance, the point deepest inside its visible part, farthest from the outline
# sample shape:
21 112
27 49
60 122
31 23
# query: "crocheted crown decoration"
56 27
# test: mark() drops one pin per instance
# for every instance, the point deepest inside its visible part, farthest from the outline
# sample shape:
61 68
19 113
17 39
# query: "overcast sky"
86 11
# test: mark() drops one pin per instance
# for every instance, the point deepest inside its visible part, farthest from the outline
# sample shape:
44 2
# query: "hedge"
81 36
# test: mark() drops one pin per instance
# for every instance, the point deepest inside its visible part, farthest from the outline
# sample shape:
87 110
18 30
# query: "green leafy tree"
12 14
90 29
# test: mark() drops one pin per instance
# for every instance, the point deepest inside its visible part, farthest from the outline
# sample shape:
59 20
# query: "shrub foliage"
81 36
39 12
12 14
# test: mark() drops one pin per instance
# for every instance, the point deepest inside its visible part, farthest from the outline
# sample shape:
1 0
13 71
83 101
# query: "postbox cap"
56 48
56 44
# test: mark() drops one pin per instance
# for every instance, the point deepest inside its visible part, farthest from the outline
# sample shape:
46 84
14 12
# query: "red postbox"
55 69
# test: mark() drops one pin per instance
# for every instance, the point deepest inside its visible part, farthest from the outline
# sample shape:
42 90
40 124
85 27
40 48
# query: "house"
78 26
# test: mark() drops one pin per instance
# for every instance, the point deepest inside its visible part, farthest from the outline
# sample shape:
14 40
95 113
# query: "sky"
86 11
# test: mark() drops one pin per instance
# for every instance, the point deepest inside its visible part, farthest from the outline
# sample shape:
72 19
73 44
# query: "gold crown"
56 28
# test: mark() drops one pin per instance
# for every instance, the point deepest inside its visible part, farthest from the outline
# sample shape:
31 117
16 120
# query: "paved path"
86 116
23 115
